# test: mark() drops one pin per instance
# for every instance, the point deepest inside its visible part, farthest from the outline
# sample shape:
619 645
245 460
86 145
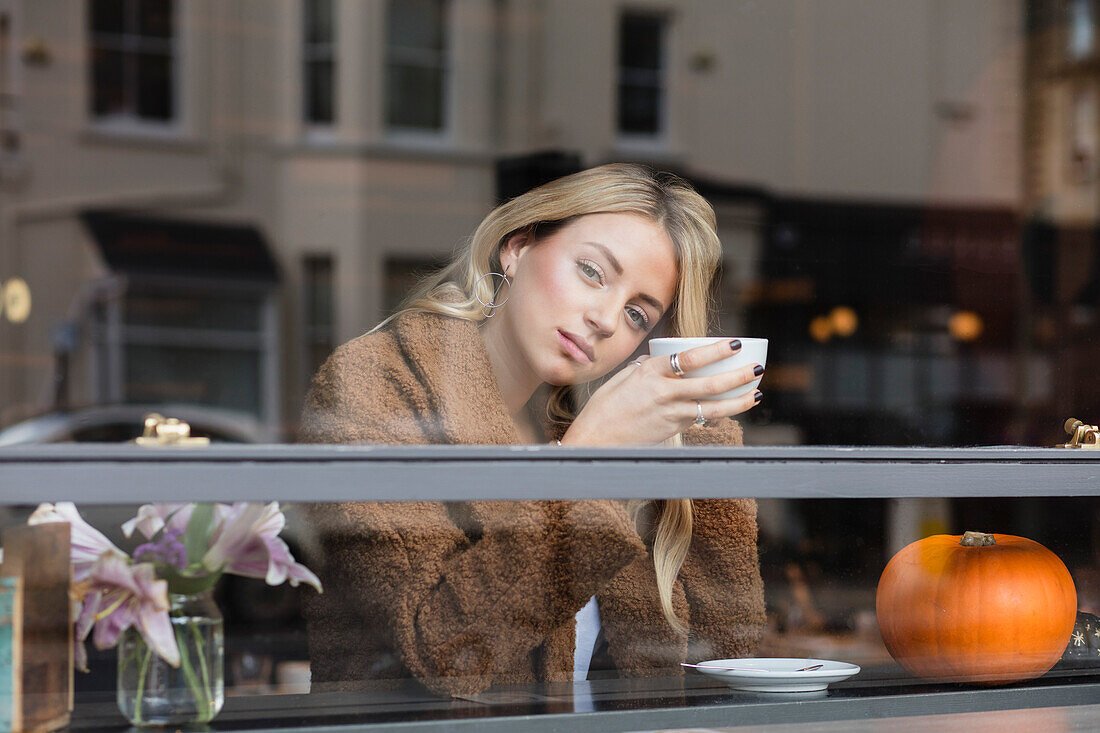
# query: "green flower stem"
202 697
141 679
199 644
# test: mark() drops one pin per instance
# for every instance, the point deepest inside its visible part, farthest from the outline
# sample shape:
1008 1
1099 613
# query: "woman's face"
583 298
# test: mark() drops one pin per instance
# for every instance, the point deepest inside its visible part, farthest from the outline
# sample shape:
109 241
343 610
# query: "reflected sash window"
319 327
416 65
642 93
319 62
9 92
133 61
160 342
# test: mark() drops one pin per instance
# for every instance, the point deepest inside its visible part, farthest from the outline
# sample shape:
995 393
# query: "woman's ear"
510 250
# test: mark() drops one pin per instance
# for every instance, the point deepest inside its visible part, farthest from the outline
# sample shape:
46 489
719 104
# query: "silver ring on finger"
699 419
674 361
635 363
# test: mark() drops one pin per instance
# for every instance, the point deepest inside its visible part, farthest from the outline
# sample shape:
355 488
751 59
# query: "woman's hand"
646 402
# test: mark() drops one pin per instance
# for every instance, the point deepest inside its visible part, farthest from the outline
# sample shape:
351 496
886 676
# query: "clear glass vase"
152 692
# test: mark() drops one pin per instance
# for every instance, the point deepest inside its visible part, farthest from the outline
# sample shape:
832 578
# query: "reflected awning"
156 246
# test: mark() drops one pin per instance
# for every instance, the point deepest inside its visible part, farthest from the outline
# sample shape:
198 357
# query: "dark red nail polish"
758 396
758 370
735 345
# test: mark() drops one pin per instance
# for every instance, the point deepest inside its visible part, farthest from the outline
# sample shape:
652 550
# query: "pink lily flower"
247 543
122 595
152 518
85 541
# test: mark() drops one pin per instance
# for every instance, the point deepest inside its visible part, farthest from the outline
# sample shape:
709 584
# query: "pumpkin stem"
977 539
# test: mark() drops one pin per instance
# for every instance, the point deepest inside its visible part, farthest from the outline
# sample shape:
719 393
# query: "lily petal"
86 543
126 595
152 518
155 625
235 533
109 627
248 544
84 621
113 570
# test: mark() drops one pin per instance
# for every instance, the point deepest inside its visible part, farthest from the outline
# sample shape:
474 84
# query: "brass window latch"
1081 435
161 432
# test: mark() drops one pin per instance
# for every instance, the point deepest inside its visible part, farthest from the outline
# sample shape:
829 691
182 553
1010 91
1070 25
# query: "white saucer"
771 674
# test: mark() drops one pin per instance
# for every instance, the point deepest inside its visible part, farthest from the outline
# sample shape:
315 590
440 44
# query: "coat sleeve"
721 574
464 610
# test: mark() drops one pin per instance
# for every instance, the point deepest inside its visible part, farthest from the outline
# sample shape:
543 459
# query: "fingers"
700 356
705 388
715 409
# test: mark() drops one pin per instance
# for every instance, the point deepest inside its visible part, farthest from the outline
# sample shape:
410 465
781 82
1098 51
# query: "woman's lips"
576 347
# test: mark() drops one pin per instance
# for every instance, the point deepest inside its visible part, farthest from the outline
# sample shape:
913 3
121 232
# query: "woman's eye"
638 317
590 271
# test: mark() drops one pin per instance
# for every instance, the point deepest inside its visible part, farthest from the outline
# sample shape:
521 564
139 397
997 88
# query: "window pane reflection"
154 87
155 18
416 64
482 601
415 97
905 197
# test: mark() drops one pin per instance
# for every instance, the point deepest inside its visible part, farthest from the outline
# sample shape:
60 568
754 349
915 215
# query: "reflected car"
122 423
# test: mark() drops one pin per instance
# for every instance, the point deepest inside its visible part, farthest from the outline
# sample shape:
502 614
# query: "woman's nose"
601 321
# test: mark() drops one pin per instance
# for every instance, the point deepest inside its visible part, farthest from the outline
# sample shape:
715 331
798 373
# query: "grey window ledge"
130 474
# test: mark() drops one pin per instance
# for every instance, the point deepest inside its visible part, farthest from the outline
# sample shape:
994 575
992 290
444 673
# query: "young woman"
557 288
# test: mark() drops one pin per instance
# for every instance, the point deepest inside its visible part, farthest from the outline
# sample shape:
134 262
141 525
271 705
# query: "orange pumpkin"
986 608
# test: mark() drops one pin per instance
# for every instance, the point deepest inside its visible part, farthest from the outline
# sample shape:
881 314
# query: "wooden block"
38 556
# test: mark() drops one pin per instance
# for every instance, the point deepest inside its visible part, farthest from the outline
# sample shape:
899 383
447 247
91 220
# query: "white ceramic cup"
753 351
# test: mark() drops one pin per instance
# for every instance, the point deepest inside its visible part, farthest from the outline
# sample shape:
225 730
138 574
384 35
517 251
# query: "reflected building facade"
866 161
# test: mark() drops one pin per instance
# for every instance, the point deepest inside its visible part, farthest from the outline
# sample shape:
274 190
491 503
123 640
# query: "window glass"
495 593
418 24
907 215
10 89
319 26
155 18
405 234
416 68
109 16
154 86
320 309
641 41
108 79
229 378
133 57
320 103
319 59
423 107
221 312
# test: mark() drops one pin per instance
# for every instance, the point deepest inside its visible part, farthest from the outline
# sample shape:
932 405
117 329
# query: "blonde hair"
617 187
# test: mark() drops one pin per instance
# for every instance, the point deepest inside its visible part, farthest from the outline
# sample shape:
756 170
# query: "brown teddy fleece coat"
466 594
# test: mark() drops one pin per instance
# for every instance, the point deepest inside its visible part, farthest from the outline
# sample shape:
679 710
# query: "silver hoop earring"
489 309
